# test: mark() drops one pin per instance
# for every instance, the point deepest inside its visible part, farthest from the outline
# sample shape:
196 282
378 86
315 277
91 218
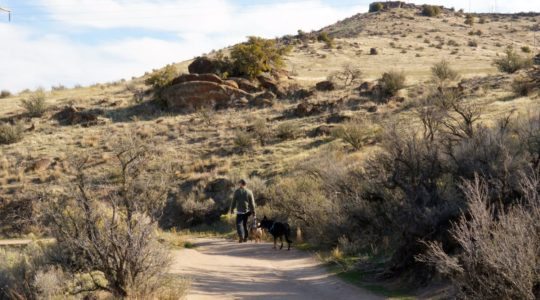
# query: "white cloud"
32 59
201 26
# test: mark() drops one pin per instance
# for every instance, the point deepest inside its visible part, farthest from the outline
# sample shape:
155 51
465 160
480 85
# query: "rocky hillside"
215 128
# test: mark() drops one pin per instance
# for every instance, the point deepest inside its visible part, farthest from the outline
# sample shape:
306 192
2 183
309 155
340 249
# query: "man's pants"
241 225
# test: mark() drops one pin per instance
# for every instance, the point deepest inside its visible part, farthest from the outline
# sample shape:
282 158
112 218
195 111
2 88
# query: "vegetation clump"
512 62
431 10
327 39
442 73
391 83
162 78
36 104
5 94
375 7
469 20
11 133
257 56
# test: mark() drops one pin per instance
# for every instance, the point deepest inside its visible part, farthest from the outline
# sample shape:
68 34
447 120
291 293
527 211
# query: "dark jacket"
243 201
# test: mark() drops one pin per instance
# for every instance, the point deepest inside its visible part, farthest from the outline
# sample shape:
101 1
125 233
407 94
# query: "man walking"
244 203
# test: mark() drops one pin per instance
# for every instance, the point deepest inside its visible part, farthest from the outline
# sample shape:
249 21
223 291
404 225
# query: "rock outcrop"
272 85
197 94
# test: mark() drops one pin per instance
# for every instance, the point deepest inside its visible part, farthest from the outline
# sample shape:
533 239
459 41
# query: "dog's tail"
288 233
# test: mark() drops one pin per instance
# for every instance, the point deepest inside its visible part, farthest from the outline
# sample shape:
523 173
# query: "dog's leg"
281 239
289 242
275 243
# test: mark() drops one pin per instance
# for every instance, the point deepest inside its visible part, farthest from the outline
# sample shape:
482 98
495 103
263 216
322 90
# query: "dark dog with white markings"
277 230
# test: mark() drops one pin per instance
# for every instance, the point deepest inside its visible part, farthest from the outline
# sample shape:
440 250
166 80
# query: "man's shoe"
240 241
245 240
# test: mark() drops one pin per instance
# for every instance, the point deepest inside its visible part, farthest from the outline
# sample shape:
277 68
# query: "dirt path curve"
223 269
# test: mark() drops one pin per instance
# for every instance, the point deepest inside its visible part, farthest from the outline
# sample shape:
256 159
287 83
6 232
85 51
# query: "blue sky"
51 42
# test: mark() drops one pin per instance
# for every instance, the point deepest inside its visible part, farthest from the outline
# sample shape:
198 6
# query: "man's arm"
233 205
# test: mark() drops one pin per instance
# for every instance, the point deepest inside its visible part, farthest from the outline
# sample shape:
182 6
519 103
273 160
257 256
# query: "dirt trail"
223 269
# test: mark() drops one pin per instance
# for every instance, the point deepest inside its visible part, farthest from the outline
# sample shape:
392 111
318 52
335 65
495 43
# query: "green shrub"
257 56
287 131
162 78
391 83
325 38
35 105
512 62
10 134
431 10
375 7
472 43
526 49
5 94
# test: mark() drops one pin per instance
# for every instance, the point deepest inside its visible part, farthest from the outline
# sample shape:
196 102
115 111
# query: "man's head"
242 183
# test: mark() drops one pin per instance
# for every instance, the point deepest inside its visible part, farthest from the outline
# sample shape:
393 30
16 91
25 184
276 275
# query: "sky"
71 42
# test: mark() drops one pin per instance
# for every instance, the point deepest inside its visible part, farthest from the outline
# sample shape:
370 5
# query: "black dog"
277 230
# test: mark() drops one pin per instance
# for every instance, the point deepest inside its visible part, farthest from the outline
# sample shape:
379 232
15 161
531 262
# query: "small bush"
287 131
523 86
375 7
431 10
162 78
469 20
35 105
10 134
391 83
348 76
325 38
443 73
526 49
357 133
243 141
5 94
512 62
472 43
261 131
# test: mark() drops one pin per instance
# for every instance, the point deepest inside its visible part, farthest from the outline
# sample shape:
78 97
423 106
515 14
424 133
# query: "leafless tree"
109 225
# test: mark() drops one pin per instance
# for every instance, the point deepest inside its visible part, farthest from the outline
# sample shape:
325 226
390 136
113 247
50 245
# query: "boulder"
196 94
71 115
537 59
246 84
203 65
197 77
302 94
231 83
272 85
325 86
265 99
323 130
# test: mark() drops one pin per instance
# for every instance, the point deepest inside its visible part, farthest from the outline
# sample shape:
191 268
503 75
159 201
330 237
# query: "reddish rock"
196 94
246 85
196 77
272 85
